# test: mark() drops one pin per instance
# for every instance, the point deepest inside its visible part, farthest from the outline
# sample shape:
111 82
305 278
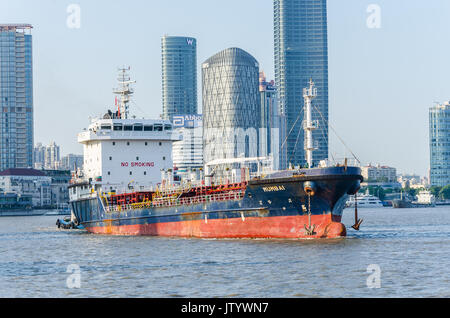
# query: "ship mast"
309 125
124 91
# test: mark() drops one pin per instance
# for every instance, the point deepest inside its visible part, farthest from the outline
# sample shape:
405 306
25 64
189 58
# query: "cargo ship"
127 187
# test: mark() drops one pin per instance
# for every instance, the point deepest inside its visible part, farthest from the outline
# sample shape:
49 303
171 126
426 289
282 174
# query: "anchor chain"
357 221
309 229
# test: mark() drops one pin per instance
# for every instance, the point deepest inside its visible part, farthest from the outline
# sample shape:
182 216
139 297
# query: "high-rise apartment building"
46 157
39 156
301 54
439 126
231 105
16 96
52 156
179 75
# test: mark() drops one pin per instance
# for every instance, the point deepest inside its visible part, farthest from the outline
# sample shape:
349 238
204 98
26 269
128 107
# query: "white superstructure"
126 152
365 201
121 153
425 197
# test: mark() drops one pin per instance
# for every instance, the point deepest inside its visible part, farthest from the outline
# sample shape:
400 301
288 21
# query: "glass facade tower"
273 124
16 96
231 105
301 54
440 144
179 75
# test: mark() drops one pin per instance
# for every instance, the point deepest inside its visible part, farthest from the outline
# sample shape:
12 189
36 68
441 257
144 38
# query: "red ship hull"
326 226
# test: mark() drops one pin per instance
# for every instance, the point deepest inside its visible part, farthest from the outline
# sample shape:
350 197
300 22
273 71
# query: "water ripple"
409 246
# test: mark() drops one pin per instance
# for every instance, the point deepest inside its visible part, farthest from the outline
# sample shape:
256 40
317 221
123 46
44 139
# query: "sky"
386 67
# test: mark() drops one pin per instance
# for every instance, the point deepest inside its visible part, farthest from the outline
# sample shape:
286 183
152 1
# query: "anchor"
309 229
357 221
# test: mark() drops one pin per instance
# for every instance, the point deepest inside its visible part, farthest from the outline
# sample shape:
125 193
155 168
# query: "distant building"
412 181
59 186
71 162
273 124
187 153
39 156
52 154
46 157
439 125
14 201
30 182
379 174
16 96
179 75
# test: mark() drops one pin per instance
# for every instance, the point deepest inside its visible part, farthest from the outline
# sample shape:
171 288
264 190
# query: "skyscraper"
179 75
231 105
16 96
273 125
440 144
301 54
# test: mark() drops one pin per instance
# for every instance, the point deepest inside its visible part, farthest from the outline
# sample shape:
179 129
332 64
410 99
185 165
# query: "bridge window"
128 128
148 128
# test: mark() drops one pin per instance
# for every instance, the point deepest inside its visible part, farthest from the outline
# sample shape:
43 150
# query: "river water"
397 253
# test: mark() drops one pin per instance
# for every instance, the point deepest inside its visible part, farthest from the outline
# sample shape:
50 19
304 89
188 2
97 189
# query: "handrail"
171 201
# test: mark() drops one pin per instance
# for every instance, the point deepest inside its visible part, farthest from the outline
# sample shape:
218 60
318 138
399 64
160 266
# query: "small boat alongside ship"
121 193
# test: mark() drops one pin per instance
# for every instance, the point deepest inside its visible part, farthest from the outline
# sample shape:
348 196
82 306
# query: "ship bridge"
128 129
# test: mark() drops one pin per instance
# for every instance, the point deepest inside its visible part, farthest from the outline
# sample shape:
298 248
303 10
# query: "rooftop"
15 26
22 172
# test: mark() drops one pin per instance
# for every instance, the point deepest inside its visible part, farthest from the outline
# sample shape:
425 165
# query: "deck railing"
173 202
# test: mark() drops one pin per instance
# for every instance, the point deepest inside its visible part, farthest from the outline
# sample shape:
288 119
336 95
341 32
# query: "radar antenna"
124 91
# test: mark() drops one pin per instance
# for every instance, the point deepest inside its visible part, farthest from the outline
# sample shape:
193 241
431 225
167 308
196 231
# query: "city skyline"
379 80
